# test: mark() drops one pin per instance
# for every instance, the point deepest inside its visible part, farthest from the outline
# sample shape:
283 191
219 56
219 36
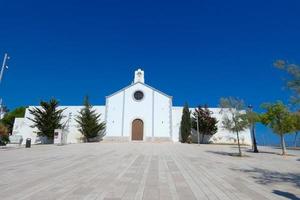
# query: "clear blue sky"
195 51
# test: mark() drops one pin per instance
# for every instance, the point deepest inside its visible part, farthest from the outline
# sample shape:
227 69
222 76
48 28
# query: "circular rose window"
138 95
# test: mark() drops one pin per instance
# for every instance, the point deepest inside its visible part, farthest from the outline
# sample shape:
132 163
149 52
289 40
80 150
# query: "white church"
137 112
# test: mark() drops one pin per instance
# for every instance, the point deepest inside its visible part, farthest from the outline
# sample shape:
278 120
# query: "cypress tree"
185 125
89 122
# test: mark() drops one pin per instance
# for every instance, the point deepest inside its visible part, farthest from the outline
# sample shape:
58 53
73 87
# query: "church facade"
137 112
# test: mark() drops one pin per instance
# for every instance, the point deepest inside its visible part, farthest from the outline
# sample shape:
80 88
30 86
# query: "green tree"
234 117
279 118
207 124
4 137
185 125
296 116
89 122
293 82
46 118
9 118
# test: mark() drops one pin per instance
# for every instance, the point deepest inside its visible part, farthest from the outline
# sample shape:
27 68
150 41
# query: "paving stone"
147 171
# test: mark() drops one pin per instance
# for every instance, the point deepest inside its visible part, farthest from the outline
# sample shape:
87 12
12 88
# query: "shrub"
4 137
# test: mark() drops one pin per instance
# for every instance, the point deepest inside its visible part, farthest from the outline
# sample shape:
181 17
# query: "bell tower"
139 76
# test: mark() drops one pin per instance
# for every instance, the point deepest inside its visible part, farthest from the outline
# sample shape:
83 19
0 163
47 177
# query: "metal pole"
1 108
1 75
3 66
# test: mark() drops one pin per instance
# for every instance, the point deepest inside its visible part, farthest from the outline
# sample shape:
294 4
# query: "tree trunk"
295 140
255 150
238 139
282 144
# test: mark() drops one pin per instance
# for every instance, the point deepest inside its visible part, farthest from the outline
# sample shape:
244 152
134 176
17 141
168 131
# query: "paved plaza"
147 171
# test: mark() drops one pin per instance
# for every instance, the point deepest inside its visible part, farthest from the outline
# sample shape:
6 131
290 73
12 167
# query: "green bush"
4 137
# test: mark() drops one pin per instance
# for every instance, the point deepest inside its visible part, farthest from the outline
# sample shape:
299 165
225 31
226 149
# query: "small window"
138 95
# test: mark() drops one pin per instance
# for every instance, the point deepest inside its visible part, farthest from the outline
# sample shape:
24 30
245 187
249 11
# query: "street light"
252 129
4 65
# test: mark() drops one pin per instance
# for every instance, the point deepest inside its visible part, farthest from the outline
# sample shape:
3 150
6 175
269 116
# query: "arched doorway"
137 129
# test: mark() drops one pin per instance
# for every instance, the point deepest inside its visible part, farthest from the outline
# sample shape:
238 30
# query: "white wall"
138 109
222 135
162 115
154 109
160 118
18 125
132 110
176 119
23 125
114 106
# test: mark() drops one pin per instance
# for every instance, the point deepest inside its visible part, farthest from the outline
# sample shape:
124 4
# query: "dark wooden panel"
137 129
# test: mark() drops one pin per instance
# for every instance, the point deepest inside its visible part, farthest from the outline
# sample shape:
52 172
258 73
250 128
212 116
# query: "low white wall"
222 136
23 126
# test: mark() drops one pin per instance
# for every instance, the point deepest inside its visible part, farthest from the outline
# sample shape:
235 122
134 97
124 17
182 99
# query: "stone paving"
147 171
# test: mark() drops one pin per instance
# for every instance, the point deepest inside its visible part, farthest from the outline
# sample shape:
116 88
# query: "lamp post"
252 129
4 65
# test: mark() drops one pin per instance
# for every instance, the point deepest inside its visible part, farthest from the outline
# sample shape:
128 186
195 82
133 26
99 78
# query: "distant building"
136 112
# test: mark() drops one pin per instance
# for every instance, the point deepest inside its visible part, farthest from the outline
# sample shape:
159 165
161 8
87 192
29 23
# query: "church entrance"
137 129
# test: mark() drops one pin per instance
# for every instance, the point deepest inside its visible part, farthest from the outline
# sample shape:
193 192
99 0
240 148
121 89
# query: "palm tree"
46 118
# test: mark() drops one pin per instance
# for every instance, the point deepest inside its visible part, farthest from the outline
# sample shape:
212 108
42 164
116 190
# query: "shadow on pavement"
266 152
270 152
263 176
287 195
225 153
242 147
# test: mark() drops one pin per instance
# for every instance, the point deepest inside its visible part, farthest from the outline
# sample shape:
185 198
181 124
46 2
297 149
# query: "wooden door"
137 129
